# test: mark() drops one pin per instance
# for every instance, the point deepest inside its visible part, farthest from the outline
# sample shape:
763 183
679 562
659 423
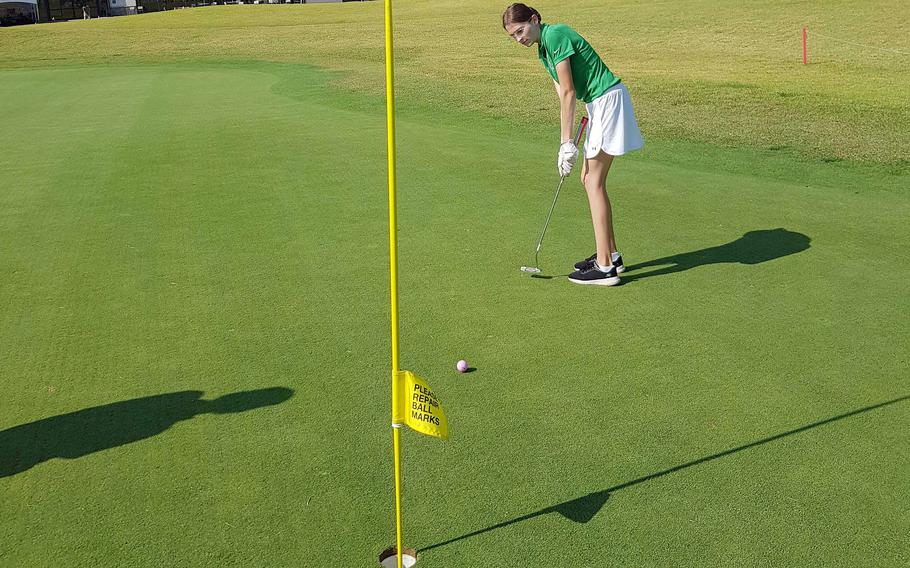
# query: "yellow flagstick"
393 270
426 415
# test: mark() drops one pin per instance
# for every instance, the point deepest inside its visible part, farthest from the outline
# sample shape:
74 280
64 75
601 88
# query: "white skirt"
612 127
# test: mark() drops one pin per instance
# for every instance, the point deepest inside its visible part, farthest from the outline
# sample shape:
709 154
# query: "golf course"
195 290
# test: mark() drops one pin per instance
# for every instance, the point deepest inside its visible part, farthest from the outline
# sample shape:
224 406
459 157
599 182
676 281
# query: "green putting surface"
175 230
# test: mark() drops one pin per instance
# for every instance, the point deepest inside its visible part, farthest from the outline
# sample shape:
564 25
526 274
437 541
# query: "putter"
536 268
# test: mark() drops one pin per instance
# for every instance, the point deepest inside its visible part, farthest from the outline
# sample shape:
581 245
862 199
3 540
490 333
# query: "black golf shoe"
594 275
589 263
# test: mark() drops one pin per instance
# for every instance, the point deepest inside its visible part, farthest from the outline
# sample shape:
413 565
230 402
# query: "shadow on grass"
583 509
80 433
753 247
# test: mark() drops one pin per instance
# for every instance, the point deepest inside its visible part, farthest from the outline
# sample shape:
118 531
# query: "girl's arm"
566 91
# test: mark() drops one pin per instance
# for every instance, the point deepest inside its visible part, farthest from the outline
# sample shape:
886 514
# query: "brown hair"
519 13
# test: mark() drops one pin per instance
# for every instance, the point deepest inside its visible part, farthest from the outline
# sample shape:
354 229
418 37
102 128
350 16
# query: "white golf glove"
568 153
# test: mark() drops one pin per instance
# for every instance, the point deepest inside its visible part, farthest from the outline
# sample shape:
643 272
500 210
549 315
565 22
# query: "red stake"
805 47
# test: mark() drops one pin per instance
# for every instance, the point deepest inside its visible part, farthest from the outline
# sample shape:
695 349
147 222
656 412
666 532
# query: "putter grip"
581 130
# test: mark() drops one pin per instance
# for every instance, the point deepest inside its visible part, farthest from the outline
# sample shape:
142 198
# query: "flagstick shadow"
583 509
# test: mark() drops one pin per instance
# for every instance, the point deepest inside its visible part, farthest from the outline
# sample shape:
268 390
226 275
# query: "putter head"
530 269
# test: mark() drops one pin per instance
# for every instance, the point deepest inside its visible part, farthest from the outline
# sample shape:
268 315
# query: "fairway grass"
727 73
220 228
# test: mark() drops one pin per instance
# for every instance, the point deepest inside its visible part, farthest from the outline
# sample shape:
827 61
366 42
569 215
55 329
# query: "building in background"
121 7
59 10
21 12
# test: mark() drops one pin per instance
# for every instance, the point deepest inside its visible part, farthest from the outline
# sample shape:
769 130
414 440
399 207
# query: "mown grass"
731 403
724 73
183 219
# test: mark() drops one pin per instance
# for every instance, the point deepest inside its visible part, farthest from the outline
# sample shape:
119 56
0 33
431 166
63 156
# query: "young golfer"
578 72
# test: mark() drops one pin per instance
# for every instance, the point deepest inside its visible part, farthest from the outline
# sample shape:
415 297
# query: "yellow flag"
419 408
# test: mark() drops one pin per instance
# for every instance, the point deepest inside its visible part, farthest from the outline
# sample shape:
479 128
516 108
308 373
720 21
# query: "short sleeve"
560 46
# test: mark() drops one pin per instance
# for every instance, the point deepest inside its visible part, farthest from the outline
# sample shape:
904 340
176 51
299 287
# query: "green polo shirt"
591 76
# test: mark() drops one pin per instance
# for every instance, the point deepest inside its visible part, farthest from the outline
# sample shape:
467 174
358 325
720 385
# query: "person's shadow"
98 428
753 247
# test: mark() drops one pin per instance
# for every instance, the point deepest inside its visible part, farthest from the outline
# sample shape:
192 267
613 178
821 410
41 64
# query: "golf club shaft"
578 134
549 214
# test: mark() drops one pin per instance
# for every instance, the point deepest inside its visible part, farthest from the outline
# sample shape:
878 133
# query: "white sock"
602 268
615 256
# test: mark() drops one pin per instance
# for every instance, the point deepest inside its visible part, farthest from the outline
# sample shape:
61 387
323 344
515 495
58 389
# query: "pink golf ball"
462 366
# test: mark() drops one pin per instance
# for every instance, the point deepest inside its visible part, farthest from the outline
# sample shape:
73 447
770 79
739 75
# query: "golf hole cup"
389 558
462 366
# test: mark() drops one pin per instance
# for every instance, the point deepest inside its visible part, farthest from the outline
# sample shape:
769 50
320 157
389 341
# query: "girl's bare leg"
594 178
